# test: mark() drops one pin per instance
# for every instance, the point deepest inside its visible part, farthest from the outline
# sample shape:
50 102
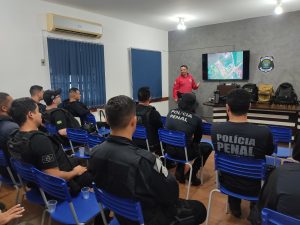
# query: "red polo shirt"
184 85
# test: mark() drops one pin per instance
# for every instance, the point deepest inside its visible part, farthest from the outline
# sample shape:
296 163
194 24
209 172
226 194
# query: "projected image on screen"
225 66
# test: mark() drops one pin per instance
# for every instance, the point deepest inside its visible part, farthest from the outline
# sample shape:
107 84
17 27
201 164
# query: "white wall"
23 25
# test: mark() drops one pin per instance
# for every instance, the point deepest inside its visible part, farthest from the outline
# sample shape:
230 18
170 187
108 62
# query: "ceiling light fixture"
278 10
181 25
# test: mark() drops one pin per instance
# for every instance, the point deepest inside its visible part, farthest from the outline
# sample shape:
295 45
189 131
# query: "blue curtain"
78 64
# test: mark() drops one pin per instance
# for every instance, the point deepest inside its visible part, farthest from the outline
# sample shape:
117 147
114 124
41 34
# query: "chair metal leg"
102 214
17 194
226 208
190 179
209 204
43 216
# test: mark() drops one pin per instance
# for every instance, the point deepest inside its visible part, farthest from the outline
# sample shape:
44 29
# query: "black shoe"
180 177
236 213
195 181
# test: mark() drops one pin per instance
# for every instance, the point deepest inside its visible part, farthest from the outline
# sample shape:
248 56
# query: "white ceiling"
163 14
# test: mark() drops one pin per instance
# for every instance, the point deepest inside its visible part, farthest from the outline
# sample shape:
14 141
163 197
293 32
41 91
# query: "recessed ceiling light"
278 10
181 25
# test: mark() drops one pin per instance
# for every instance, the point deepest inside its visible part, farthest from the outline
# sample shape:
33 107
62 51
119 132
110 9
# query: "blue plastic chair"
163 120
282 135
90 118
270 217
94 140
176 139
78 136
240 166
26 175
11 181
127 208
141 133
69 210
206 128
51 129
273 161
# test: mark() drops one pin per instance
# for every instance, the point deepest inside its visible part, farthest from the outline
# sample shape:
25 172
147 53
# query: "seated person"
238 137
61 118
123 169
184 119
148 117
40 150
7 127
37 93
74 106
281 191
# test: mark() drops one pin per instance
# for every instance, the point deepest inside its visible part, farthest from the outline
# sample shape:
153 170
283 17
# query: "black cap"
49 95
188 102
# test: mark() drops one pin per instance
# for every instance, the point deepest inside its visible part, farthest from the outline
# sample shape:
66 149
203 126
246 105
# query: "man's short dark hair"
184 66
20 108
3 98
238 101
119 110
144 94
35 89
73 89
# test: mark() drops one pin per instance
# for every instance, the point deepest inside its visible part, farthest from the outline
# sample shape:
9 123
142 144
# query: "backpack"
71 121
17 147
285 94
253 91
265 93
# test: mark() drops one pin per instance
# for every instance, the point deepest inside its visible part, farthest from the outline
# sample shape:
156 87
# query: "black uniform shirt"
77 109
43 153
121 168
243 139
281 192
151 120
42 107
187 122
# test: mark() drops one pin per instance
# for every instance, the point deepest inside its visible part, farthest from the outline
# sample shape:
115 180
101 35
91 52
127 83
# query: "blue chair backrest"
90 118
240 166
77 135
174 138
94 140
163 120
281 134
51 128
140 132
24 170
54 186
123 207
270 217
3 161
206 128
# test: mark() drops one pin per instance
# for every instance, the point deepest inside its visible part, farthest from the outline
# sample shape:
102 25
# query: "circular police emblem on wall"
266 64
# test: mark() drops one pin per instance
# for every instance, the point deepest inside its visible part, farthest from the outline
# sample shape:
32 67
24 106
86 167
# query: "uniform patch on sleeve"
58 122
48 158
159 167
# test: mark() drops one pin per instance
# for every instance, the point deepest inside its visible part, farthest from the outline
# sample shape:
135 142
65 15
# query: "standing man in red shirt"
184 83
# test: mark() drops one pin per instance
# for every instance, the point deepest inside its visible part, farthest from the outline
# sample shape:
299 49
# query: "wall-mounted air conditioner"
65 24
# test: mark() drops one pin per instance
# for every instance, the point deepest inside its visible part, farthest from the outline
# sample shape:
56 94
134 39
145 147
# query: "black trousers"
197 151
186 212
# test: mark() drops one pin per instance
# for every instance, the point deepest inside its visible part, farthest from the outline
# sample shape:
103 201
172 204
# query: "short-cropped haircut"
3 98
119 110
20 108
35 89
143 94
238 101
